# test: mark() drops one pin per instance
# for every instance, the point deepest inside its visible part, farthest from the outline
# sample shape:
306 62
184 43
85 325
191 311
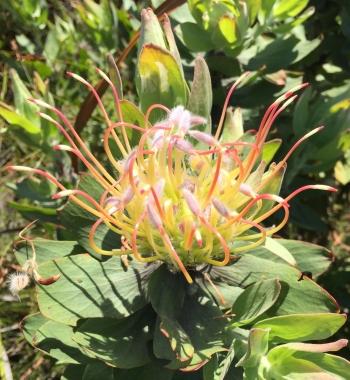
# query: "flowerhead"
181 195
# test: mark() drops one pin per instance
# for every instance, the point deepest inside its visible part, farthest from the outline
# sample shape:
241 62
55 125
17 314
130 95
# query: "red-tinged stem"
157 202
227 252
286 157
215 179
93 245
67 123
228 97
292 195
102 108
153 107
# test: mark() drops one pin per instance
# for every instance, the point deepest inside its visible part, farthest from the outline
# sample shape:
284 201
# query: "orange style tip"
69 73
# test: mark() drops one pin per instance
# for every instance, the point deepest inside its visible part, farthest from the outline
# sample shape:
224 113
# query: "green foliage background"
282 45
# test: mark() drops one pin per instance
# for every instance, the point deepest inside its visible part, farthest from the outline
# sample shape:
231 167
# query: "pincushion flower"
172 201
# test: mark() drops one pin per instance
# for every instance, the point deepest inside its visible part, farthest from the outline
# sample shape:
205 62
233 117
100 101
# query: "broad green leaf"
19 120
98 370
255 301
76 219
282 52
161 79
131 114
73 372
224 294
103 289
201 97
288 8
284 362
170 38
152 371
258 344
36 190
301 327
171 341
151 31
47 250
217 370
274 246
233 126
199 335
296 296
167 300
227 30
52 46
203 322
269 149
32 212
302 113
21 95
53 338
194 37
253 9
122 343
309 257
273 186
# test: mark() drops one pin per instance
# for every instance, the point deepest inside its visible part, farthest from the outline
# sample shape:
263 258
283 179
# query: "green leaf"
161 79
258 344
288 8
97 370
274 246
167 300
73 372
201 97
194 37
269 150
283 362
53 338
47 250
18 120
121 343
151 371
273 186
21 95
203 322
133 115
103 289
309 257
195 337
233 126
31 212
301 114
288 328
151 31
216 370
296 296
281 52
226 34
254 301
76 219
171 341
